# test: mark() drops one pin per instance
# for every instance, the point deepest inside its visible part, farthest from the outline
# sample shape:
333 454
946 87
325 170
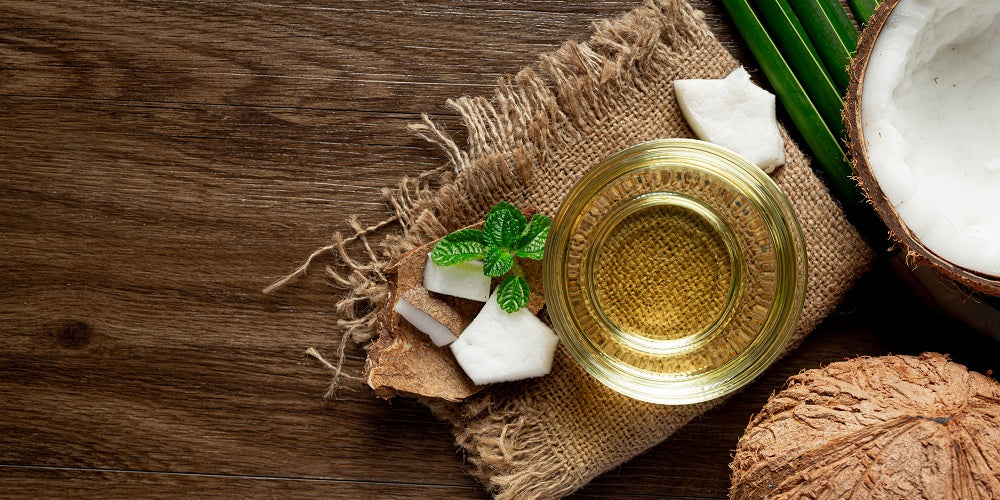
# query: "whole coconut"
886 427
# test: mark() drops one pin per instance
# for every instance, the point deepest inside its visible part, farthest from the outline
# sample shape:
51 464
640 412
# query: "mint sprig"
504 225
513 293
531 244
460 246
506 236
497 262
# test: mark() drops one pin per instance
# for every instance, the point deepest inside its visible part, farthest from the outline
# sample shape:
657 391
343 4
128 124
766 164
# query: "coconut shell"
917 253
439 310
886 427
403 361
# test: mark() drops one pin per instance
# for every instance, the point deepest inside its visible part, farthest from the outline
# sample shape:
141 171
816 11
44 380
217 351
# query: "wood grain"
161 162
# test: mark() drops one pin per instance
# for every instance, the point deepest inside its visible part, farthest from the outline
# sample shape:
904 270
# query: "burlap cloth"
528 144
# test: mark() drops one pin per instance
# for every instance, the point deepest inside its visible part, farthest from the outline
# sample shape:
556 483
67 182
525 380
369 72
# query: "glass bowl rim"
756 356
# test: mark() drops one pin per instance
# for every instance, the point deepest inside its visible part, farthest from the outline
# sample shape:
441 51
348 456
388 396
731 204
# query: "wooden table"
162 161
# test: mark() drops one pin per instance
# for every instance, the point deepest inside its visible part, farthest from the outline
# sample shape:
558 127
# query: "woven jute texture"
640 291
528 143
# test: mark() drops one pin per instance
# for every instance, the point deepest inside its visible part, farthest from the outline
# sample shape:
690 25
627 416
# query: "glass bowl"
675 271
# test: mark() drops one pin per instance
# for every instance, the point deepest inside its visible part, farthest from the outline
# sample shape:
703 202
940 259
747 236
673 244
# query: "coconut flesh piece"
502 347
464 280
735 114
429 315
930 113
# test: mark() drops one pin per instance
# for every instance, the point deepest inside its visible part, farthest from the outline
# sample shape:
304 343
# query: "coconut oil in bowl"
675 271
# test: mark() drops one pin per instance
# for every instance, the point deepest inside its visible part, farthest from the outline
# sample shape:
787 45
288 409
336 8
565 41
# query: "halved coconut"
923 118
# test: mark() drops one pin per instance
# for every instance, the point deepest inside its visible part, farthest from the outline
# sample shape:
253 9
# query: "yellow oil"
663 273
663 276
675 271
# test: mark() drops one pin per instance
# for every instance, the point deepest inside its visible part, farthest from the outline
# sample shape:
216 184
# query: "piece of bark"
404 361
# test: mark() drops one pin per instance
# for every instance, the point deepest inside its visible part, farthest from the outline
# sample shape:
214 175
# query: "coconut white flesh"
464 280
735 114
931 113
501 347
424 322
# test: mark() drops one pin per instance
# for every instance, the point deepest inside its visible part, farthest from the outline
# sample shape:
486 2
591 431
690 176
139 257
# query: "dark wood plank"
291 160
161 162
25 482
328 55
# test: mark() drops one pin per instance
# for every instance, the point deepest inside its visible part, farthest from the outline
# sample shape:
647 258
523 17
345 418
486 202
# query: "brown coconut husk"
917 253
886 427
403 361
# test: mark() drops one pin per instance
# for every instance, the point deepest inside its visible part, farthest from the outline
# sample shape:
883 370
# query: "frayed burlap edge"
500 442
540 108
563 98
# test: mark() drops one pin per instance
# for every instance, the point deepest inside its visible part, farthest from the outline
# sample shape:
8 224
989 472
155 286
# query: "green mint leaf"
460 246
497 262
513 293
504 225
475 235
531 244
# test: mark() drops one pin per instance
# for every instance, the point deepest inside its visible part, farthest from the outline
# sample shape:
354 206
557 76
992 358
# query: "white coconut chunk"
424 322
464 280
501 347
735 114
929 111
